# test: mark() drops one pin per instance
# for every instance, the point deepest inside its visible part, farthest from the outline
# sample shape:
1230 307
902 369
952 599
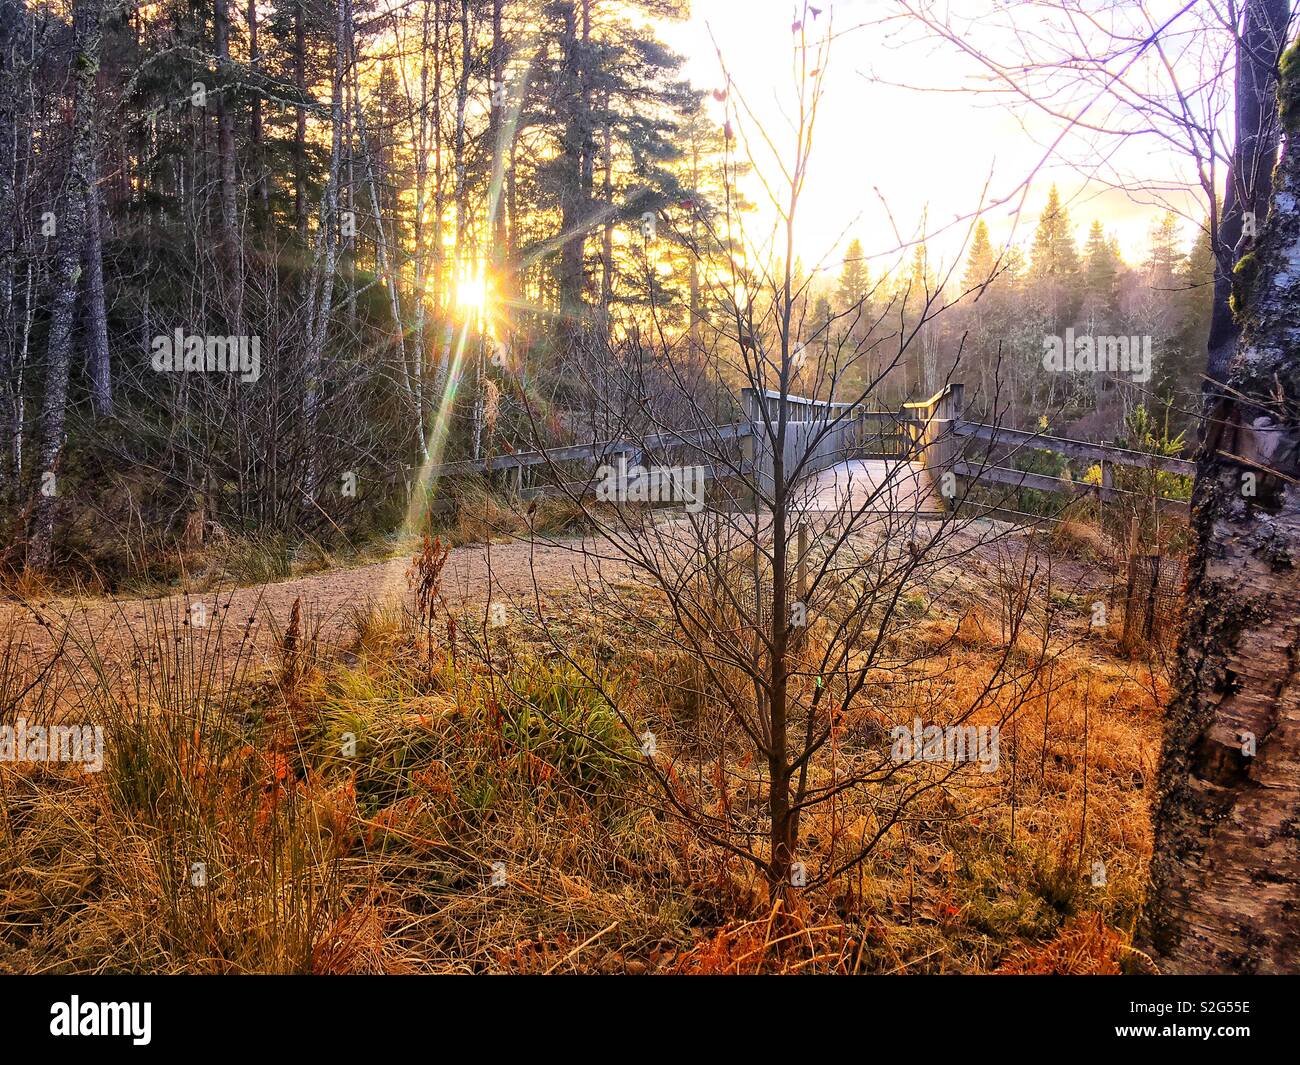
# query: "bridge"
920 460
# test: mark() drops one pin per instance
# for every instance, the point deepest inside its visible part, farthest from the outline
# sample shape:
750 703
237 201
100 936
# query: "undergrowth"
417 800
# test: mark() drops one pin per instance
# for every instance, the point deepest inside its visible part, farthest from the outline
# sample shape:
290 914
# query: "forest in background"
266 272
447 228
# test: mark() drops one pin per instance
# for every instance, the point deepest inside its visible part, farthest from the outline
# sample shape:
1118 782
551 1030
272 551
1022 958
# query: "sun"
472 294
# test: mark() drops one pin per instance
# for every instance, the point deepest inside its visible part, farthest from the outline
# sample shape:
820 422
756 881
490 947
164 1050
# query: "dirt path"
113 630
519 575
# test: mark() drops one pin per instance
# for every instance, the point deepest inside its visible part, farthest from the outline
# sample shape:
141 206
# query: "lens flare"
472 294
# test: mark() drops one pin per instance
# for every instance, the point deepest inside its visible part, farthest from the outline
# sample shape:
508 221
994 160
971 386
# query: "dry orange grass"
481 517
1081 539
1086 947
388 861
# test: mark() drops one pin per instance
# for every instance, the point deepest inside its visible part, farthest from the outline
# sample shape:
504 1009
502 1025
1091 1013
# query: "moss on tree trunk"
1226 868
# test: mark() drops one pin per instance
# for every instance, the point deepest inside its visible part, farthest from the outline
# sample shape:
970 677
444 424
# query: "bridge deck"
876 485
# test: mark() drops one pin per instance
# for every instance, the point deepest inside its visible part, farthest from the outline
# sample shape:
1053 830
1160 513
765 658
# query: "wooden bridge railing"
602 451
980 467
595 450
816 432
819 434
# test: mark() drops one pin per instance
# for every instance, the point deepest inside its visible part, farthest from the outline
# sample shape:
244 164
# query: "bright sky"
927 153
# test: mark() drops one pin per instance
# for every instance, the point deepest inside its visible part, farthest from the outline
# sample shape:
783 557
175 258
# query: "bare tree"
14 71
97 359
1105 76
787 600
321 286
227 162
71 223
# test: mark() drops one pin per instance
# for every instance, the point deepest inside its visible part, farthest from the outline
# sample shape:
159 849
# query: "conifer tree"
854 282
1101 267
980 261
1054 255
1054 263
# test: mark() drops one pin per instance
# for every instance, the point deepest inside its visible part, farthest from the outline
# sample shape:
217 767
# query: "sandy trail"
516 574
560 575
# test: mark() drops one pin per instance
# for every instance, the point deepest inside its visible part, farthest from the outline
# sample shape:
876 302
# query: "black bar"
213 1016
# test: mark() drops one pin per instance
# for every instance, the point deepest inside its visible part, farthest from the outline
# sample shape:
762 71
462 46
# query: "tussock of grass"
1082 539
349 823
482 516
255 559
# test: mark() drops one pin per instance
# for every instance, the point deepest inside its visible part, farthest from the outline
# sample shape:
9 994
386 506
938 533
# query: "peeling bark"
1226 867
1263 36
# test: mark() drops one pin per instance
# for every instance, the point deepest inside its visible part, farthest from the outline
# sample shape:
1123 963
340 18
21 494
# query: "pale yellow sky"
927 154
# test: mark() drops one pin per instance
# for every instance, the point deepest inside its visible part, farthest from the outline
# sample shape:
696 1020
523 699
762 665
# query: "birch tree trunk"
318 325
573 205
66 274
607 235
226 154
419 136
1263 35
1226 868
300 127
439 209
497 135
12 32
459 143
97 364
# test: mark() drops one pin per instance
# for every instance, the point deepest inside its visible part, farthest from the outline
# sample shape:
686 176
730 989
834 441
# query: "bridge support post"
756 448
947 413
932 426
